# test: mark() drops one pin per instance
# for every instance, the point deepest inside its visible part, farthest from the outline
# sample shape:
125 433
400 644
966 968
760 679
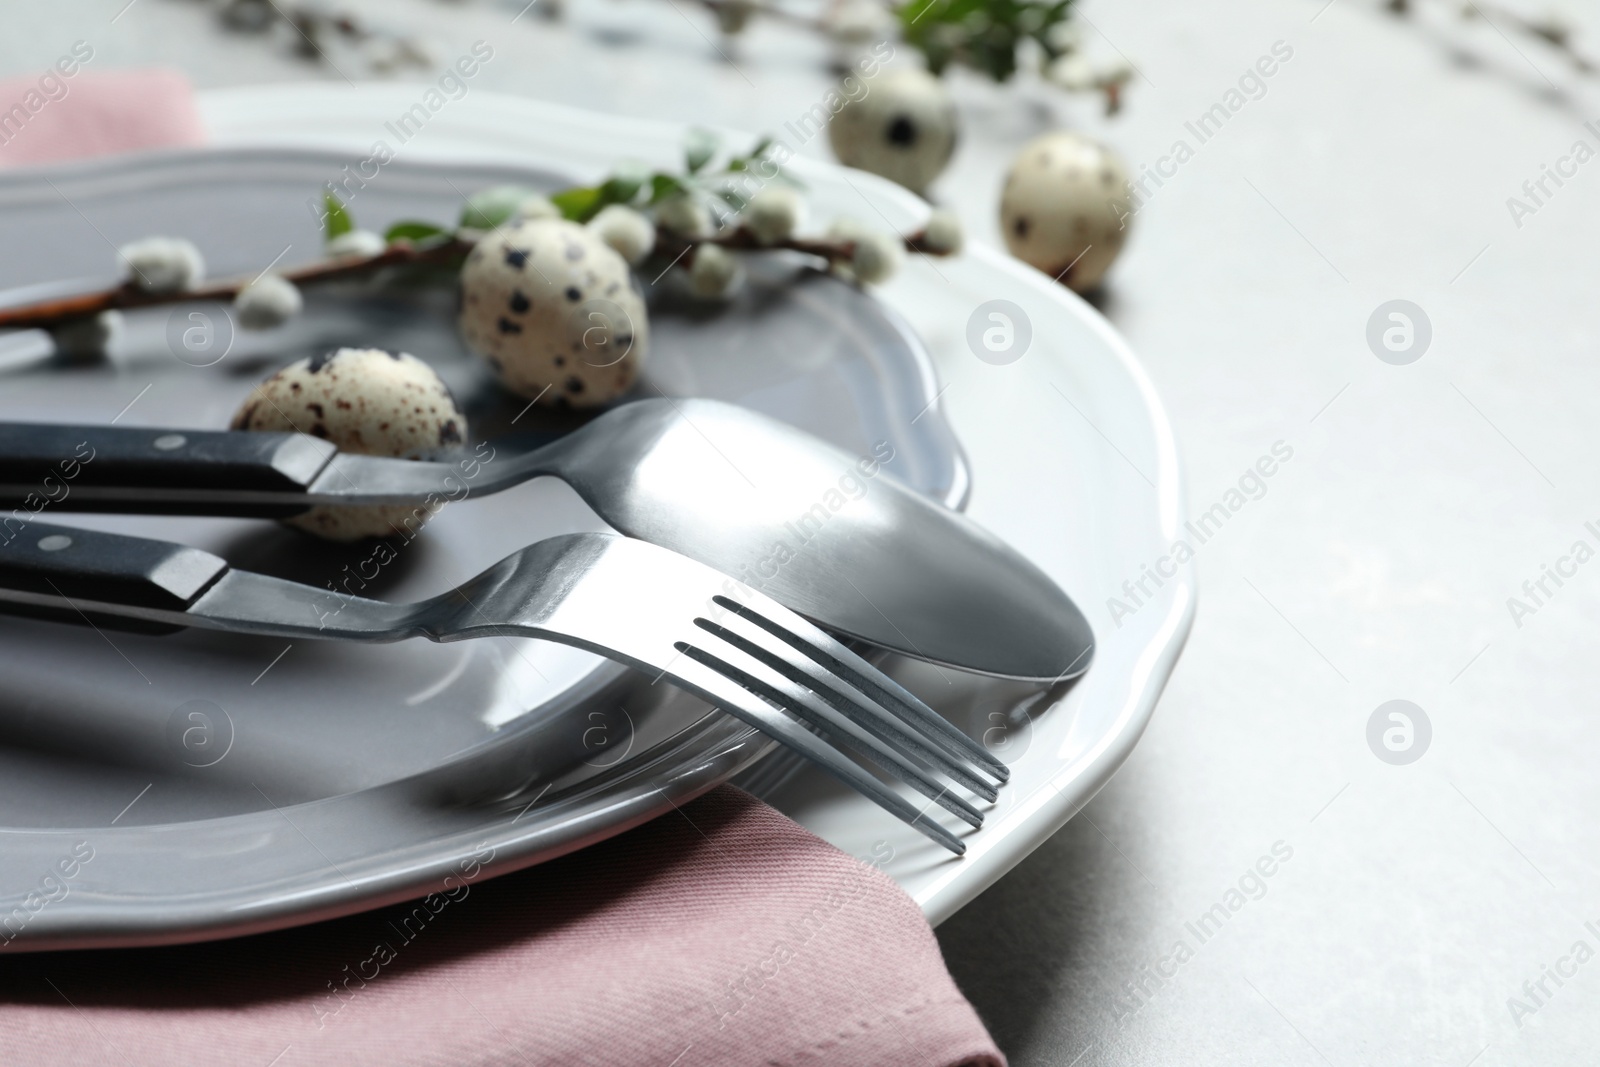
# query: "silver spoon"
826 533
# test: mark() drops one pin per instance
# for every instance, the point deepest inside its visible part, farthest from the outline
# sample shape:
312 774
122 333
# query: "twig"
746 8
308 22
54 312
1548 29
128 296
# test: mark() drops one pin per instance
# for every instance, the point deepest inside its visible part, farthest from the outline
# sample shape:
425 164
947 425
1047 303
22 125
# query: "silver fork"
631 601
716 482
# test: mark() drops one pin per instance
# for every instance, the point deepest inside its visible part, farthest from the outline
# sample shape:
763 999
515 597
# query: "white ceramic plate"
227 784
1071 455
1072 460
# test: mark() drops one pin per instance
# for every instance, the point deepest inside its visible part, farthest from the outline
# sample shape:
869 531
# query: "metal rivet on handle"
54 542
169 441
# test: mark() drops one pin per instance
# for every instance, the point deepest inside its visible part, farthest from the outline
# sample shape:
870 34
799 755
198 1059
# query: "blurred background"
1397 152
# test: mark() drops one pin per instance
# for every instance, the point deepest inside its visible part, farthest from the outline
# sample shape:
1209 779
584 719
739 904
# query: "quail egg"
363 400
552 308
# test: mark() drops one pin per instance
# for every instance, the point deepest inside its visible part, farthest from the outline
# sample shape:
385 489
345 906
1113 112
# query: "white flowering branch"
943 38
838 252
987 39
131 295
833 249
1549 28
312 26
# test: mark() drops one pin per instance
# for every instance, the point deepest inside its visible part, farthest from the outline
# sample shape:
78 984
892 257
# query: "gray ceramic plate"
224 785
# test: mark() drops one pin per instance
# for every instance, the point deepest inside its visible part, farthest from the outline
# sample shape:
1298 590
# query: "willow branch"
128 297
1548 29
834 251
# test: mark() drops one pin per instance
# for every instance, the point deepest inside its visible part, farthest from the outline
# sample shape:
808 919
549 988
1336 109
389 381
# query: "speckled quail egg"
1065 208
903 128
553 310
363 400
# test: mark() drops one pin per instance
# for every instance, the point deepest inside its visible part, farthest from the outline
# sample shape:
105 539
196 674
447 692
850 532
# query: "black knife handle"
68 467
80 572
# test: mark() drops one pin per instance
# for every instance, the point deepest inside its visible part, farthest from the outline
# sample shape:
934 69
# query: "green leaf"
414 231
699 146
622 187
336 219
981 34
663 185
743 163
580 204
493 206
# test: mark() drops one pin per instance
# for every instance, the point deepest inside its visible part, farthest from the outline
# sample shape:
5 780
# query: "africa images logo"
1251 485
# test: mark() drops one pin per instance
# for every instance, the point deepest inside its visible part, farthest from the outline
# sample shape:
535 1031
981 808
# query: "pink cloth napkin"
722 935
55 115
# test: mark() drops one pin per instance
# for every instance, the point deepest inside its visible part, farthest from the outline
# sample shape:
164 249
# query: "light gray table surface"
1415 901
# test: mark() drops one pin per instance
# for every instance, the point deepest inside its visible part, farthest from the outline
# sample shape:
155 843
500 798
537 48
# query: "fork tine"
832 654
857 708
718 682
800 696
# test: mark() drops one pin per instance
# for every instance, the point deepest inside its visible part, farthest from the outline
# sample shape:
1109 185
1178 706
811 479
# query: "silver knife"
827 534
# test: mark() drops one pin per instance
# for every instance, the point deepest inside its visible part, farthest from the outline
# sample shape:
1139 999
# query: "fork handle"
70 574
120 468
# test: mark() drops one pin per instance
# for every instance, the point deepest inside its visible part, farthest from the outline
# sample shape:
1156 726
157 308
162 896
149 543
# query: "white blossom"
536 207
877 256
271 300
1065 36
626 230
773 214
1073 72
943 234
846 228
356 244
162 264
714 274
88 337
858 23
683 214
